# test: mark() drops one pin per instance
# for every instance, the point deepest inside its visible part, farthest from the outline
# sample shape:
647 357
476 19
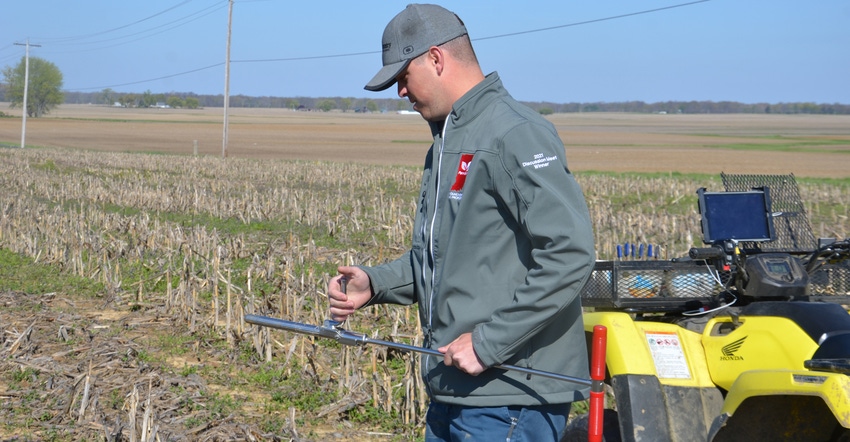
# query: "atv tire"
577 429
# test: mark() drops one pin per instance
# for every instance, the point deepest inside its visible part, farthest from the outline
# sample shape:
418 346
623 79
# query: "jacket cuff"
480 347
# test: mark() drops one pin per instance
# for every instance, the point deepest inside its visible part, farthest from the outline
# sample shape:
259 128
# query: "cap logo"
407 50
386 47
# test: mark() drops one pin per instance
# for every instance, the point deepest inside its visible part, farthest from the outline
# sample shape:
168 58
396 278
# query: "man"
502 244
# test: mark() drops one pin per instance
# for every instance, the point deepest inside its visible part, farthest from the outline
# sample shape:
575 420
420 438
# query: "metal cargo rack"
831 283
679 285
793 231
653 285
685 285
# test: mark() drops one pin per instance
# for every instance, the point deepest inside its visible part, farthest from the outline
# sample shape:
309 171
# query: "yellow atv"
747 339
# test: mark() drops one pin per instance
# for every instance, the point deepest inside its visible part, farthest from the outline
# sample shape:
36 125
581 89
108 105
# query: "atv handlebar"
706 253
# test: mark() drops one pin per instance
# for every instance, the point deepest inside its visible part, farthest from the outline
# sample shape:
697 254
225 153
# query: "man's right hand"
358 292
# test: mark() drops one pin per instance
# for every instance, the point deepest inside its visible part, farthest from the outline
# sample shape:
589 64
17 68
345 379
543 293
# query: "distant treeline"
697 107
350 104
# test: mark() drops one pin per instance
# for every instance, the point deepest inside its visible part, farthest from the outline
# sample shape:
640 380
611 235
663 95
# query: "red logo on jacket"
462 170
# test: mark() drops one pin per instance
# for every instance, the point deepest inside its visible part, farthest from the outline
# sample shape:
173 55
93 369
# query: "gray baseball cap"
409 35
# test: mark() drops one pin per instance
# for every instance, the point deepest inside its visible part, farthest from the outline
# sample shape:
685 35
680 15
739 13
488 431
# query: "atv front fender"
653 407
807 403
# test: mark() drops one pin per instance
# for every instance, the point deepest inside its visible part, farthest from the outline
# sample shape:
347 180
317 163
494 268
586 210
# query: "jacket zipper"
430 249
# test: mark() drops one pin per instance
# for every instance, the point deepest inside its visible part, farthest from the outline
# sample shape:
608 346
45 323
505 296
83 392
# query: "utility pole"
26 90
227 79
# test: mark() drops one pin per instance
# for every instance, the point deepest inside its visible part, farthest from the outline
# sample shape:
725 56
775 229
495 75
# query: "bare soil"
805 145
71 362
90 351
74 367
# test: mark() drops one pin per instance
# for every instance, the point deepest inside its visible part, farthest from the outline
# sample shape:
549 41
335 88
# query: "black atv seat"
820 320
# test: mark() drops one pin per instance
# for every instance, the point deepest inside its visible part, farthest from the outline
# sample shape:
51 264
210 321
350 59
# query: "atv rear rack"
831 283
660 286
650 285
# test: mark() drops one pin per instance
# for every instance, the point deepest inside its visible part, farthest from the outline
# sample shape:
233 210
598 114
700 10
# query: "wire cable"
587 22
353 54
79 37
152 79
715 275
188 19
314 57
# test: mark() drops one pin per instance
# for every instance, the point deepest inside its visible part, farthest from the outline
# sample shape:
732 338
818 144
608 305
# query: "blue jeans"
454 423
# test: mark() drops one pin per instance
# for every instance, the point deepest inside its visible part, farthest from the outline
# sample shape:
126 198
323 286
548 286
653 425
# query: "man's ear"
437 58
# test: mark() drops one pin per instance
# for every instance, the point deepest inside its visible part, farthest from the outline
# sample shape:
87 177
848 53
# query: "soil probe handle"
597 387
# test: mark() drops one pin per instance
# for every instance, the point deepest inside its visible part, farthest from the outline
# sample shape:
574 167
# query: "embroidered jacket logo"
730 349
456 192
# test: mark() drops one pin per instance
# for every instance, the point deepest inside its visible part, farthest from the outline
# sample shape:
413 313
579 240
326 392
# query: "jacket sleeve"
392 283
536 187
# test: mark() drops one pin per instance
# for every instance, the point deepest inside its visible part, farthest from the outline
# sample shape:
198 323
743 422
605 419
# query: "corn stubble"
208 240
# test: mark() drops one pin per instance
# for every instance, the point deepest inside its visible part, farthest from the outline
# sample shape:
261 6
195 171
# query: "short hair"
461 49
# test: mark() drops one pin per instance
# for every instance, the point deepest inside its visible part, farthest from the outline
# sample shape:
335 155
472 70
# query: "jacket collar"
467 107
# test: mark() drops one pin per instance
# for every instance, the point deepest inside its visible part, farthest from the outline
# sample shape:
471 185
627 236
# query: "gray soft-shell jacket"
502 245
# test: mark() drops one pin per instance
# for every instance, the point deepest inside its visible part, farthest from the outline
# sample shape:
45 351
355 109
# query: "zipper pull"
428 337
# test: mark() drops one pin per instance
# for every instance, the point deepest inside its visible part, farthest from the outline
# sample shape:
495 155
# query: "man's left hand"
460 354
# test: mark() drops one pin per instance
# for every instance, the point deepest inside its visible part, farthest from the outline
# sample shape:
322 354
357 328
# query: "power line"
12 55
354 54
186 20
80 37
9 58
150 31
512 34
314 57
586 22
152 79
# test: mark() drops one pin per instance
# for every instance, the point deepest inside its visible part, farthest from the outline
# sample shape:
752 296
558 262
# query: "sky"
560 51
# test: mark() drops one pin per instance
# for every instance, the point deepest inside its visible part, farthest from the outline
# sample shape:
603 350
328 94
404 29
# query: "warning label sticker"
667 353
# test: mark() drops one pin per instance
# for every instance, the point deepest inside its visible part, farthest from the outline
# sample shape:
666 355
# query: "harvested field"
805 145
125 272
76 362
